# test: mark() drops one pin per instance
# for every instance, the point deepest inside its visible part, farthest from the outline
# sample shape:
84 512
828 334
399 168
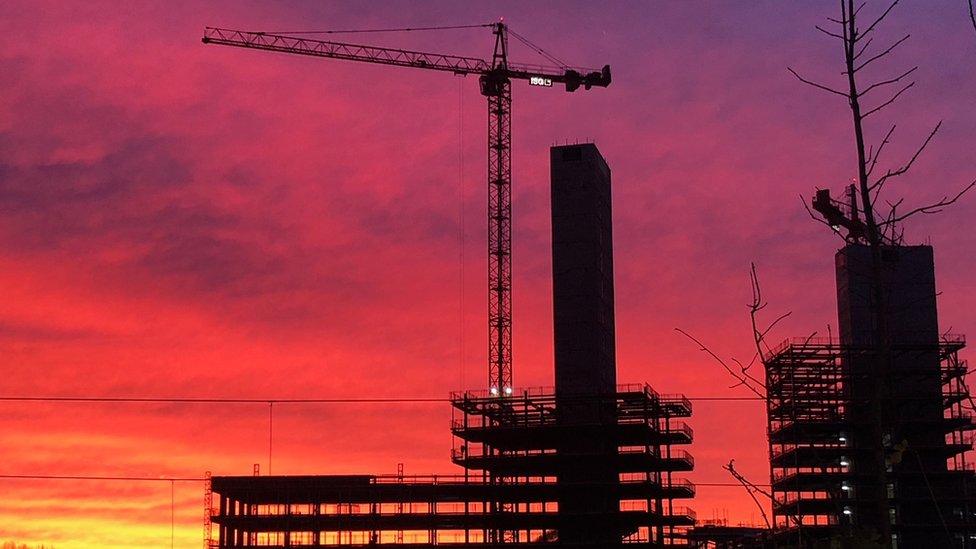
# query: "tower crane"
495 78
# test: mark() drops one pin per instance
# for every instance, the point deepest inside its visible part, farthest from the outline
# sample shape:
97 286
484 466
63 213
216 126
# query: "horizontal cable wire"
106 478
350 400
202 479
209 400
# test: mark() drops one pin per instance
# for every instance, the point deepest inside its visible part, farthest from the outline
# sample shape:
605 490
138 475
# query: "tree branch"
827 32
886 224
863 49
880 55
876 21
744 370
931 208
890 174
814 84
874 159
759 335
751 489
888 102
742 380
886 82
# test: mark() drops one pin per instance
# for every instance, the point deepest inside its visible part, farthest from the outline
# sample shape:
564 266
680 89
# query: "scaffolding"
818 456
523 440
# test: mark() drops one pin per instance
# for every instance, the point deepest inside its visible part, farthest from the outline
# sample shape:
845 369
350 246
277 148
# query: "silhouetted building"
587 464
582 272
584 339
823 420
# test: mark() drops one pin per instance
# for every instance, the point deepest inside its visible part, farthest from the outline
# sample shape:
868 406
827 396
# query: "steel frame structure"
815 455
508 495
495 80
517 442
406 512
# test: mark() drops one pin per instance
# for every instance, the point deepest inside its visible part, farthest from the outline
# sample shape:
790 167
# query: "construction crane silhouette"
495 78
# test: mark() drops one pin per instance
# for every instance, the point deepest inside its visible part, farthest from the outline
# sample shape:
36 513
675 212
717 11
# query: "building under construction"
840 410
585 464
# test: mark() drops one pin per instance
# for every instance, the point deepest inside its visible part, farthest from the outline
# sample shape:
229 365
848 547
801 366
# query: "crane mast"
496 86
495 79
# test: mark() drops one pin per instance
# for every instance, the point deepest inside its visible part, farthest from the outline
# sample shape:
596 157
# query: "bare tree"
741 372
877 229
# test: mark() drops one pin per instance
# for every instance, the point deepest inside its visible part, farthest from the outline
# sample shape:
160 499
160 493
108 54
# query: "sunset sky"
183 220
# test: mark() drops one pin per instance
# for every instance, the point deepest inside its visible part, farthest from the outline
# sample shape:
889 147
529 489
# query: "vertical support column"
237 534
288 529
467 471
655 532
500 240
224 531
399 506
669 470
316 533
431 513
231 531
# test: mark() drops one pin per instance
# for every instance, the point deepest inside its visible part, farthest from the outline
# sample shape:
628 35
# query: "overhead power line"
190 400
106 478
202 479
219 400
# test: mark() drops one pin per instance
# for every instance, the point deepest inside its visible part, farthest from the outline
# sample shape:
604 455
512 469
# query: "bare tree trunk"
880 365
